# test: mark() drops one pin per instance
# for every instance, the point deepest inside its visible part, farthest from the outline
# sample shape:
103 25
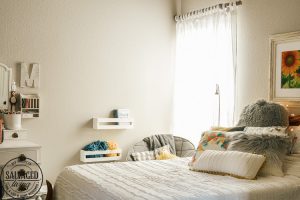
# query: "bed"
166 179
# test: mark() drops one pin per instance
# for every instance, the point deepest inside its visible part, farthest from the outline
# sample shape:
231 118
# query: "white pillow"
234 163
274 130
291 165
145 155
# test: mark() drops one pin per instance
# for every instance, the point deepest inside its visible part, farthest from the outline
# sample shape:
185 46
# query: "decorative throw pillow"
212 140
234 163
145 155
273 147
263 113
271 130
163 153
291 165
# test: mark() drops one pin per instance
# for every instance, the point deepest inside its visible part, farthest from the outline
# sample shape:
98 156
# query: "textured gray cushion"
273 147
262 114
183 147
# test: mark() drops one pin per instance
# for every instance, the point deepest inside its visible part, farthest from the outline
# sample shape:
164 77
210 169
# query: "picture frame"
285 69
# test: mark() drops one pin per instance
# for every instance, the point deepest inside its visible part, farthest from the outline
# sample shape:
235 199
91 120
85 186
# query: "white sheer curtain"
205 56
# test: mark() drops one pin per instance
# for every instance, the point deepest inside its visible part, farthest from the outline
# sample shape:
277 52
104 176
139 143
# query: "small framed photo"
285 68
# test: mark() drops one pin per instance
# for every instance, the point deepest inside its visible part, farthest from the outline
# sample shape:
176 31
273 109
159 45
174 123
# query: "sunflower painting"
290 69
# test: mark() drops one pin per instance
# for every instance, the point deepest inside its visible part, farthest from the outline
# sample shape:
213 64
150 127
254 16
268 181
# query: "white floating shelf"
112 123
84 155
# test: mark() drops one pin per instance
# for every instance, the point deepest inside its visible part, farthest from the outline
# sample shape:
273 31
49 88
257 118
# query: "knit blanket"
156 141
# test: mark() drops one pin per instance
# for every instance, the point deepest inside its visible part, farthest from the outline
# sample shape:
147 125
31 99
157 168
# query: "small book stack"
121 113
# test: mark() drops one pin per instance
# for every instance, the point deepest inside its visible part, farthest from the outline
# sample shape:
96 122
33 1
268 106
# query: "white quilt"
168 179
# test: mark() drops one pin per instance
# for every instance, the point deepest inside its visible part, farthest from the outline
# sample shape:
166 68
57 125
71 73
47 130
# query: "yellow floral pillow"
163 153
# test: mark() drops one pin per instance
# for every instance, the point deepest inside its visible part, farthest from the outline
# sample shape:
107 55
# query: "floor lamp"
217 92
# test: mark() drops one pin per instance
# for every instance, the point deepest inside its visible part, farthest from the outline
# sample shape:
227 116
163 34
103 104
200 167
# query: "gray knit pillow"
262 114
273 147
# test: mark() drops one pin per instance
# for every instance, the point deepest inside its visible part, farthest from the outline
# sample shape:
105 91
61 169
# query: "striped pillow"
145 155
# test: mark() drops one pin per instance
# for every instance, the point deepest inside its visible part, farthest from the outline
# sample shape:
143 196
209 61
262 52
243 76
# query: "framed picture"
285 68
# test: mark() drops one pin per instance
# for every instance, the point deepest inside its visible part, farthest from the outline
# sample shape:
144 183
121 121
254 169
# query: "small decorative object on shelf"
13 97
110 123
30 105
30 78
100 151
121 113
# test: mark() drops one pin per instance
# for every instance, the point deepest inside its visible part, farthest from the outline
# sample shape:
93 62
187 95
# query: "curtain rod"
204 10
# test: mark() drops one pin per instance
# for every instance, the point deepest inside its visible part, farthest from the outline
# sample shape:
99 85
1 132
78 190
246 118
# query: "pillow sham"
234 163
163 153
271 130
145 155
291 165
273 147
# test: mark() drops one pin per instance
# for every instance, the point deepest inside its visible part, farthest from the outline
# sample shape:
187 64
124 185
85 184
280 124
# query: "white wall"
95 56
257 19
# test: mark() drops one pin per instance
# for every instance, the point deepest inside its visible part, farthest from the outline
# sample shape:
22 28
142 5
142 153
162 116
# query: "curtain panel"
205 57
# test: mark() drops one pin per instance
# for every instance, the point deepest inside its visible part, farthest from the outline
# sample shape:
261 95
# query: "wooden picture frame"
285 68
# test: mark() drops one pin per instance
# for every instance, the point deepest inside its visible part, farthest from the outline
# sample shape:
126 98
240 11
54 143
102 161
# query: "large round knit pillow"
262 114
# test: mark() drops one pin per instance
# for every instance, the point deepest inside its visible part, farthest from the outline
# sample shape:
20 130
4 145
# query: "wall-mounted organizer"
100 156
112 123
30 105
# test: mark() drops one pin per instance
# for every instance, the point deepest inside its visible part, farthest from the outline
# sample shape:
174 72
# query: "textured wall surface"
95 56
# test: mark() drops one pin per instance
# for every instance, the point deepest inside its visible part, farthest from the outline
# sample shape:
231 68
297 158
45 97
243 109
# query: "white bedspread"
169 179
